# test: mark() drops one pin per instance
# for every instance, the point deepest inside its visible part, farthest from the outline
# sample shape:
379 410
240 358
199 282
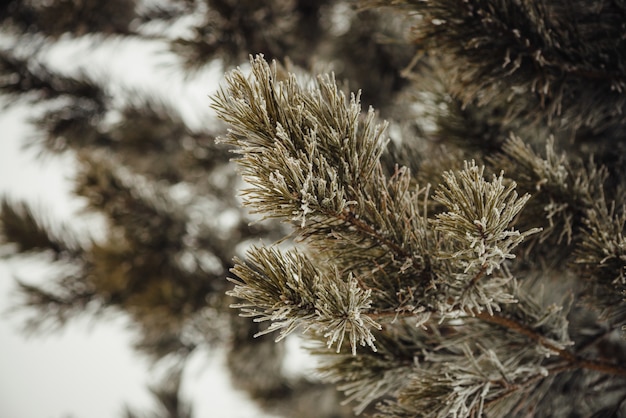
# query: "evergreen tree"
457 252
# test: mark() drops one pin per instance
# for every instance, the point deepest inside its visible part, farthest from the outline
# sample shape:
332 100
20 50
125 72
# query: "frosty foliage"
557 63
374 261
477 236
466 259
566 187
464 384
489 293
287 289
314 146
605 245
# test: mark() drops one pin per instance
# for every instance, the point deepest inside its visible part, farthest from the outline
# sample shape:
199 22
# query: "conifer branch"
573 360
303 169
477 240
299 153
499 50
19 226
287 289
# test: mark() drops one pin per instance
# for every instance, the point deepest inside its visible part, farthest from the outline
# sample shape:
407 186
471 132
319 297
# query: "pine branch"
476 240
27 76
559 60
287 289
235 28
572 360
52 307
298 170
53 19
603 248
311 158
19 226
373 375
463 383
563 188
298 153
479 214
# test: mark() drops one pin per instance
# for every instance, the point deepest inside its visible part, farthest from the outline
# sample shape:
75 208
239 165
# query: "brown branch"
572 359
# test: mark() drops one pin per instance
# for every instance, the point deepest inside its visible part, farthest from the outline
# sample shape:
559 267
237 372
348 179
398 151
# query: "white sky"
62 374
89 369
